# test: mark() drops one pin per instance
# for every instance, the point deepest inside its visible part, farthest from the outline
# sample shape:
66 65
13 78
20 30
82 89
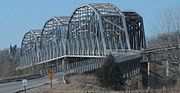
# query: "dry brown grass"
78 84
84 83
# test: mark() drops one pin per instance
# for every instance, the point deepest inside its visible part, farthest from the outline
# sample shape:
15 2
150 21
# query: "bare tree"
9 61
168 29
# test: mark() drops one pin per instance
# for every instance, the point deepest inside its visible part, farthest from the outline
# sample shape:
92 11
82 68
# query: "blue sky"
19 16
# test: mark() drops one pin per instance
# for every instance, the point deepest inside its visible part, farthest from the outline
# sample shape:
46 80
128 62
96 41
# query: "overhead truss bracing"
92 30
30 47
95 29
53 38
135 29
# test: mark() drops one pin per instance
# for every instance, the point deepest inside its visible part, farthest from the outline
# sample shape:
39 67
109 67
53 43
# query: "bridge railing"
95 63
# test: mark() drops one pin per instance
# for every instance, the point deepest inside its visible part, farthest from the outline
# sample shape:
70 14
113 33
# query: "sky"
20 16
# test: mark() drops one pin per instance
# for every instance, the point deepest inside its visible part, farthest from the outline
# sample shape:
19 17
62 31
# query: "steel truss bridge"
85 38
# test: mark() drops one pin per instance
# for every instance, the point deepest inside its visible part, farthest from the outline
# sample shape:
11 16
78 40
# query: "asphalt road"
13 87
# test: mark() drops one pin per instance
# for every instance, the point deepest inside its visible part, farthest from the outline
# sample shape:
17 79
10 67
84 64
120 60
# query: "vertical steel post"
148 75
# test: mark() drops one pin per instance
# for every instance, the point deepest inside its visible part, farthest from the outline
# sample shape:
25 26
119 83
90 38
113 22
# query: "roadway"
14 87
90 65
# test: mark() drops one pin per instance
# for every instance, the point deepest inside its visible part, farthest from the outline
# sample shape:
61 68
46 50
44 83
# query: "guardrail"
19 78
